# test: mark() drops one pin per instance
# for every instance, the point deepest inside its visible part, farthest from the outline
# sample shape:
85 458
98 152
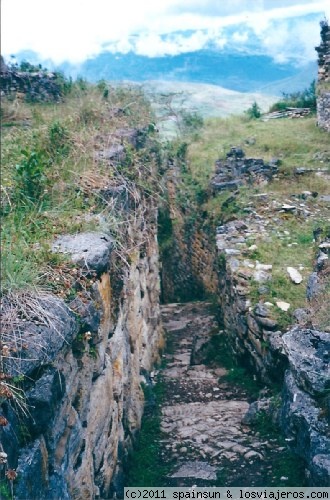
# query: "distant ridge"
236 71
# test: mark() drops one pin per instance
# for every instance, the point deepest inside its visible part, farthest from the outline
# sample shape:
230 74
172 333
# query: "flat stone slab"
196 470
91 250
175 325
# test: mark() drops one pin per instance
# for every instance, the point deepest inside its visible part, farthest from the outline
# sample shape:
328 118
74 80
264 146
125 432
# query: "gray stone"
305 430
261 310
320 470
236 153
302 316
276 342
325 197
34 481
197 470
321 262
253 454
262 276
89 250
232 251
288 208
255 408
89 314
42 342
309 352
221 186
284 306
115 153
43 397
313 286
268 323
295 275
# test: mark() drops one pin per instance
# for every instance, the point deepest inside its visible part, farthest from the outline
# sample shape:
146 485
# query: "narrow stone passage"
204 441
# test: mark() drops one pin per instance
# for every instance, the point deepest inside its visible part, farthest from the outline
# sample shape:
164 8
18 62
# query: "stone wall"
323 99
223 268
38 86
84 365
188 263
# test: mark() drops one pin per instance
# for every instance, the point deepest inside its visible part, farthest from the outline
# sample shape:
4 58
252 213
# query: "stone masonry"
323 100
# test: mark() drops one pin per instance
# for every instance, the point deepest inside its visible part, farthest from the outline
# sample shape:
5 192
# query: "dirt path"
203 441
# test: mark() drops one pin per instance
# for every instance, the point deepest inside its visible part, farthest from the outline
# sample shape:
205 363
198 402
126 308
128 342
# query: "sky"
73 30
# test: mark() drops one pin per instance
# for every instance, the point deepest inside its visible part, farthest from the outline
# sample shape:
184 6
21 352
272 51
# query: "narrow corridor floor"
204 442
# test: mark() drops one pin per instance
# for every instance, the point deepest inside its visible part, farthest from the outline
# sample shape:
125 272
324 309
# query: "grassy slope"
60 173
67 201
205 100
290 241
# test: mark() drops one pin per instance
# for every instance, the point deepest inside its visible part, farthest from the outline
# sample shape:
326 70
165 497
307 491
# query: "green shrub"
191 122
254 112
58 140
30 177
303 99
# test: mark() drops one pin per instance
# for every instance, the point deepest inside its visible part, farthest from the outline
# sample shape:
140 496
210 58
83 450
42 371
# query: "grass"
289 241
293 141
145 466
285 464
51 179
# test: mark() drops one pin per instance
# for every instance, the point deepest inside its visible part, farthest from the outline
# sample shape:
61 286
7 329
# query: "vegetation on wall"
53 175
303 99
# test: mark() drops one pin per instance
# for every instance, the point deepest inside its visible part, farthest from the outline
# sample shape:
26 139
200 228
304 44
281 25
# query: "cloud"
76 29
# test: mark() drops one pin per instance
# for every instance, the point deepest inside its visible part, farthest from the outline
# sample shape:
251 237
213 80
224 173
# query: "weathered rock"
40 344
238 170
284 306
88 250
320 470
288 208
295 275
268 323
89 313
323 98
37 86
196 470
30 485
302 316
306 430
43 398
261 310
262 276
84 375
309 352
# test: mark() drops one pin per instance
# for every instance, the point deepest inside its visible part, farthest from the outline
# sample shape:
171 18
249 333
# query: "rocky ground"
204 441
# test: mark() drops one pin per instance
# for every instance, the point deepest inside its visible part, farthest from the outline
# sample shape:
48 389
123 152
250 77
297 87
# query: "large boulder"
37 339
307 429
308 352
88 250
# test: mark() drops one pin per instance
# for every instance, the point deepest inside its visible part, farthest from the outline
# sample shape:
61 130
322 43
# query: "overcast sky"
76 29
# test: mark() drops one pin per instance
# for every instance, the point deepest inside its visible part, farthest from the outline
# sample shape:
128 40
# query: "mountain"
236 71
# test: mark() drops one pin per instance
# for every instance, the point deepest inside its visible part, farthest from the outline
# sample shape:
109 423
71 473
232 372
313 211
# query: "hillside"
103 219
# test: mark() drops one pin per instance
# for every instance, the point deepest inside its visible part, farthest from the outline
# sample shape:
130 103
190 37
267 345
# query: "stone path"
204 441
